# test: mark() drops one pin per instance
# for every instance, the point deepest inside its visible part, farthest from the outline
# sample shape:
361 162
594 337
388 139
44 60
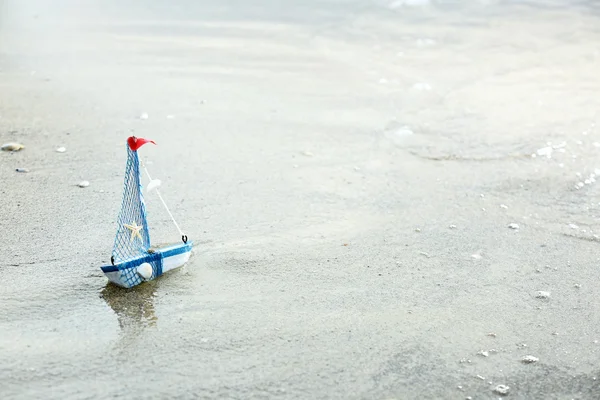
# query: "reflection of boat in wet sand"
134 308
133 261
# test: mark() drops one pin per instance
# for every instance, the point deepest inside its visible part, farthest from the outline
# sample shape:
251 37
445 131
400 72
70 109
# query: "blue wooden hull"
126 274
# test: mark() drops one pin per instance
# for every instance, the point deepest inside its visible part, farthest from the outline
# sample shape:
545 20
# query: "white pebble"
480 377
452 227
513 226
483 353
502 389
144 116
577 286
529 359
61 150
83 184
504 206
542 294
545 151
145 271
399 132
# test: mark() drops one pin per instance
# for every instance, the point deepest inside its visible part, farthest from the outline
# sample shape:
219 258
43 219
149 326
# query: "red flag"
137 142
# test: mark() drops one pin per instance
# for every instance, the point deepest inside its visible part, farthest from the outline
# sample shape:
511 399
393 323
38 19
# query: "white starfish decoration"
135 230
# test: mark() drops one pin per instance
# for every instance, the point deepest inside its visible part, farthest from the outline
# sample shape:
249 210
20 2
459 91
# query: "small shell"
542 294
145 271
61 150
83 184
502 389
529 360
12 146
24 170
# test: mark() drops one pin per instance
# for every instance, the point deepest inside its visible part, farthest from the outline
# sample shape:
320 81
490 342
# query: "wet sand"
348 173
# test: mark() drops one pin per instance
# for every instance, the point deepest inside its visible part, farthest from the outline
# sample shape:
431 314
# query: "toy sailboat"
133 260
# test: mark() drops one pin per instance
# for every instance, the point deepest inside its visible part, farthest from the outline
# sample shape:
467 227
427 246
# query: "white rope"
163 201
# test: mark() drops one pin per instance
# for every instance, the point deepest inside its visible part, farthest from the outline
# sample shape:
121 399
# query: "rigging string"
165 204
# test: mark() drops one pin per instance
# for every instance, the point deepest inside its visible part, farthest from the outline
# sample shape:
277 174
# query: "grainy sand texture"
388 199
